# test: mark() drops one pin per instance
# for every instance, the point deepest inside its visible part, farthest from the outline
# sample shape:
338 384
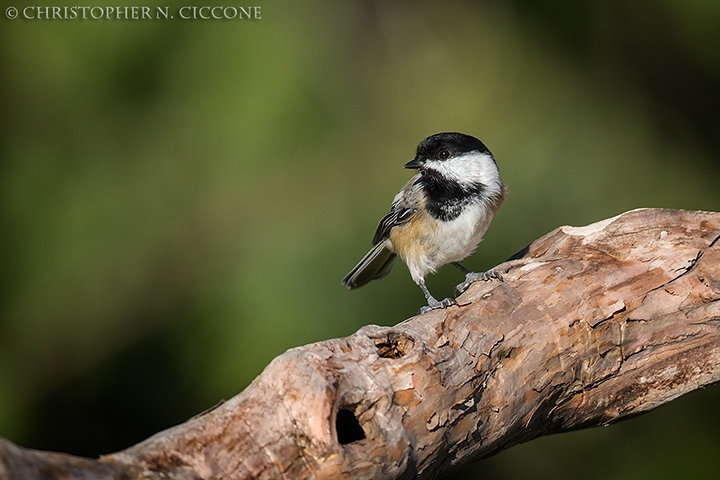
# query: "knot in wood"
394 345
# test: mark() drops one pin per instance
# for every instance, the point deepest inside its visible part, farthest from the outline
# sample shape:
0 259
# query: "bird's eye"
444 155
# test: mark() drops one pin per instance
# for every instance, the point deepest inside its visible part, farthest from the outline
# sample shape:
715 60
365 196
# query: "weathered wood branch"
591 325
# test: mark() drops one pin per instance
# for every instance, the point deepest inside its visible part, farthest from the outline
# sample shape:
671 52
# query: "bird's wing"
401 211
379 260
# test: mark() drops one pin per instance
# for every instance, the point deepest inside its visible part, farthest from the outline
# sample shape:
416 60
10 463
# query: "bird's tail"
374 265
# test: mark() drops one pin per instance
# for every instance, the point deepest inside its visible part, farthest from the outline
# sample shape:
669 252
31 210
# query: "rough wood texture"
590 326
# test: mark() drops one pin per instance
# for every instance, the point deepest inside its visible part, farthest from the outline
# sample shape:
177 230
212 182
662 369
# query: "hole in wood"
396 345
347 427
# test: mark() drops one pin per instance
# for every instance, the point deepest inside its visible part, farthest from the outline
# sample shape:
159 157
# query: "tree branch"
591 325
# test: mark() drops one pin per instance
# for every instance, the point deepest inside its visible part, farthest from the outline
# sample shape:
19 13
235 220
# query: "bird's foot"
473 277
435 304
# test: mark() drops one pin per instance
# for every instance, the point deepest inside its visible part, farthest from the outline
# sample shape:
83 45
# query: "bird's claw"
473 277
435 305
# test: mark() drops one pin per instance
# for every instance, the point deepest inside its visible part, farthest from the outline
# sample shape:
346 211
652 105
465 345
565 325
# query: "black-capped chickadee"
439 216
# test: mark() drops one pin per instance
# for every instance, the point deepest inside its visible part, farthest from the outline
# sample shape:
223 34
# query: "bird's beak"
414 163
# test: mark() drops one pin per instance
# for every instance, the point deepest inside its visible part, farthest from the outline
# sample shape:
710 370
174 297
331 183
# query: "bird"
439 217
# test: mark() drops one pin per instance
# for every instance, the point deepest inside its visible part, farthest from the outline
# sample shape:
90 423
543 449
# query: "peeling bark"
591 325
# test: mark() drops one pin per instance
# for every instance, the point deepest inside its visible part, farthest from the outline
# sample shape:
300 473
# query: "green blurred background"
180 199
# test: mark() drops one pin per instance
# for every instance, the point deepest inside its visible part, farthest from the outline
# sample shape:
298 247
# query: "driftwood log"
591 325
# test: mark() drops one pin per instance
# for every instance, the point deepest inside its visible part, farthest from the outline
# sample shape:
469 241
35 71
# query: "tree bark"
590 325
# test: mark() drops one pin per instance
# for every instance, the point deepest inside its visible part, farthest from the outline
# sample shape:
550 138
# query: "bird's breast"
426 243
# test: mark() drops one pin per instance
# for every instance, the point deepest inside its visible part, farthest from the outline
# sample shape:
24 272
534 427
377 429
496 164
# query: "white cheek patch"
473 167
